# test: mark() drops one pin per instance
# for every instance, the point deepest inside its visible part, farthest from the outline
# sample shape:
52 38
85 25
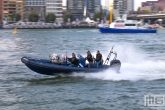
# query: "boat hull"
120 30
47 68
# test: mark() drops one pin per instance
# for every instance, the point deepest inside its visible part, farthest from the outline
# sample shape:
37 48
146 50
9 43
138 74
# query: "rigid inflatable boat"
46 67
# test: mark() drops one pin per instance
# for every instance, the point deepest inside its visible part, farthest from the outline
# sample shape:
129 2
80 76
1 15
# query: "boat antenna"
109 55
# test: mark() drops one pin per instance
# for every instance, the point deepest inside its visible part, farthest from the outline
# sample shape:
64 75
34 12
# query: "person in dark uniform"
73 61
89 58
98 59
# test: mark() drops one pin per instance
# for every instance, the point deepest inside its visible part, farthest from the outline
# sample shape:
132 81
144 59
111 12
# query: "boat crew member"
73 61
89 58
98 59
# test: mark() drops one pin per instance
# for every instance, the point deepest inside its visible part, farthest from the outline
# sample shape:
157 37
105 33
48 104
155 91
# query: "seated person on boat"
89 58
80 61
73 62
98 59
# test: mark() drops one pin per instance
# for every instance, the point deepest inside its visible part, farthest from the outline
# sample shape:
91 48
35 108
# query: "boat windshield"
130 24
119 21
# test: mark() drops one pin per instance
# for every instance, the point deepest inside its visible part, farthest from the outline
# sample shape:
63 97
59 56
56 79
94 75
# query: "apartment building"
55 6
76 7
1 10
12 6
37 6
98 6
130 5
121 6
155 5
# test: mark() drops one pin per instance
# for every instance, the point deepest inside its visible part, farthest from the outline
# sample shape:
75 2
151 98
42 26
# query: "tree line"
51 17
34 17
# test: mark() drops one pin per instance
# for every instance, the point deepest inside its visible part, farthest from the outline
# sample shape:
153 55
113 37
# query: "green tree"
33 17
68 15
50 17
97 16
16 16
109 17
138 9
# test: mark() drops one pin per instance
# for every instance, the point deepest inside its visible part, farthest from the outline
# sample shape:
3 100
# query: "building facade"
79 8
148 3
36 6
1 11
146 8
97 2
12 6
55 6
133 5
98 6
130 5
155 5
121 6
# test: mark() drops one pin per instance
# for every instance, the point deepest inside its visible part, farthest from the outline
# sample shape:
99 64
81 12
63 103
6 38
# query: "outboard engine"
115 64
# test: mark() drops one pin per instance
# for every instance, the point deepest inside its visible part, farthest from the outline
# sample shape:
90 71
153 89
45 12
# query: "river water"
142 71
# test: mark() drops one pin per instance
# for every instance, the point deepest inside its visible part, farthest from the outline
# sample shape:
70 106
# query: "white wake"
135 65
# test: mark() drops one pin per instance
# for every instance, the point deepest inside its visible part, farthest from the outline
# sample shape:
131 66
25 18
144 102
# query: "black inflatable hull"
47 68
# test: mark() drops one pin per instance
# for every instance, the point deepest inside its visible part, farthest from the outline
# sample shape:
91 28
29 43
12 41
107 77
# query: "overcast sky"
137 2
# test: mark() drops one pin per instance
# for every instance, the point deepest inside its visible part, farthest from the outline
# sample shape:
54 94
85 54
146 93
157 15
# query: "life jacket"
75 61
89 58
98 57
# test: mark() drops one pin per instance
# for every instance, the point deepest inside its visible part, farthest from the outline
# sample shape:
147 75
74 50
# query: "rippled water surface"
142 71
